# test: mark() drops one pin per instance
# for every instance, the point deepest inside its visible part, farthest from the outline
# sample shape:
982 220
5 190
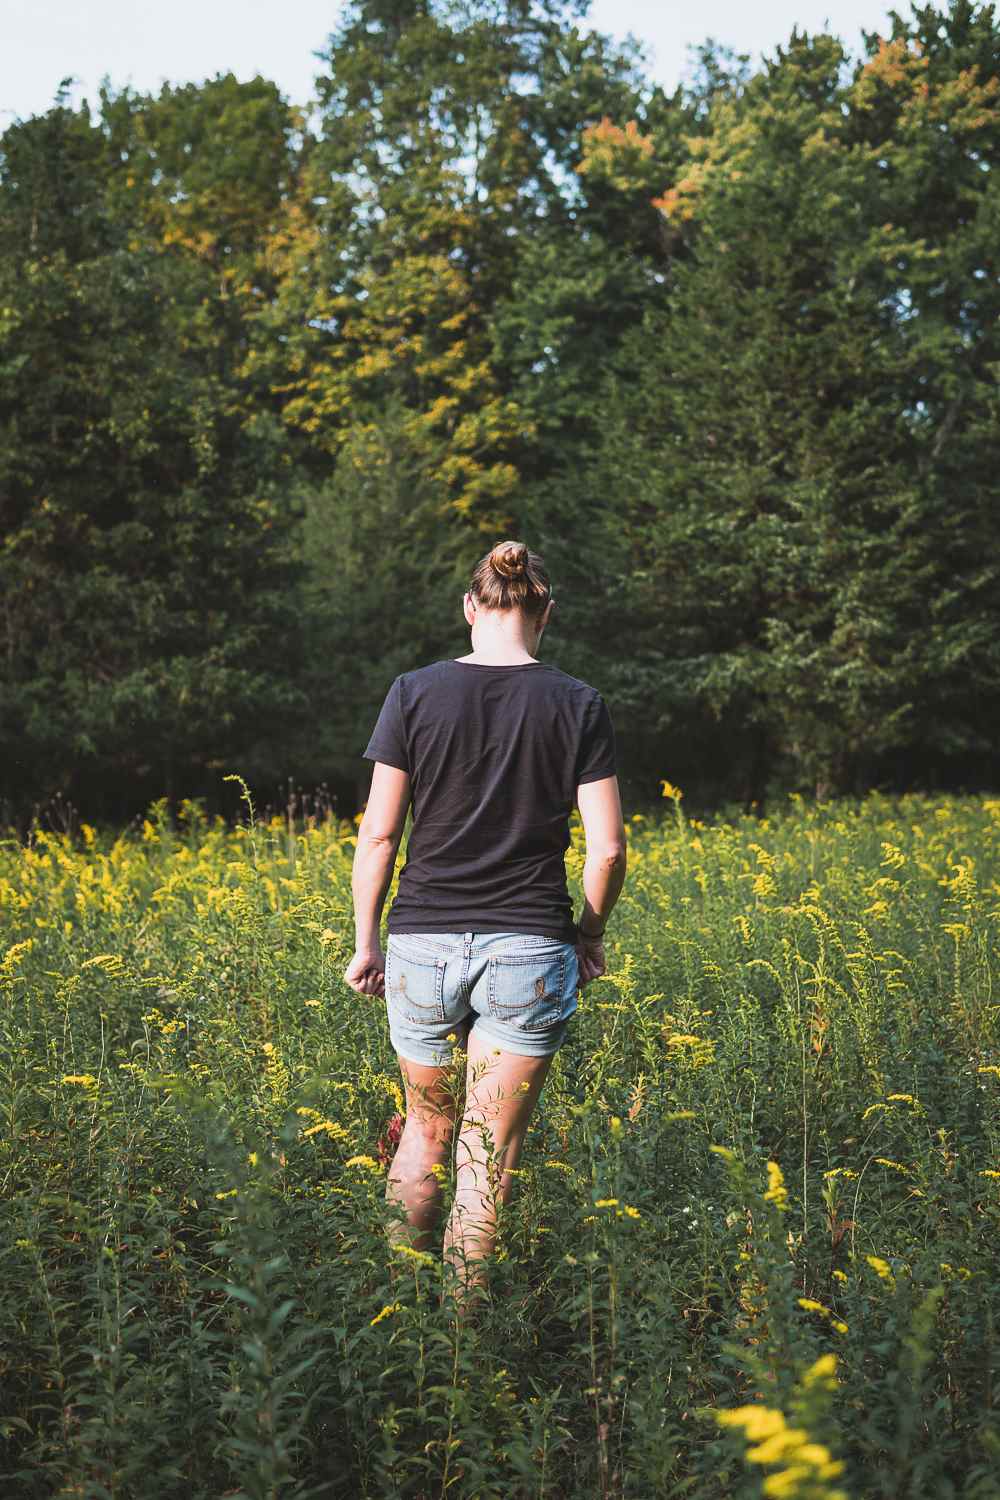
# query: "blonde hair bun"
510 559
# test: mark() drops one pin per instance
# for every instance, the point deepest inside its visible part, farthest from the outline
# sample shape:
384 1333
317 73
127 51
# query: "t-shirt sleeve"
388 741
596 759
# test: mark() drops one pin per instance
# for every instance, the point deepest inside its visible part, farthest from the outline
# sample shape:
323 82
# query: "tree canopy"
273 376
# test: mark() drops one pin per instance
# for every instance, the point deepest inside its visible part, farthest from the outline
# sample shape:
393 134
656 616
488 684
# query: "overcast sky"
144 42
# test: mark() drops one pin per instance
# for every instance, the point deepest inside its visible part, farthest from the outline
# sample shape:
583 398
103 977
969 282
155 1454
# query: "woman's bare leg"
501 1092
431 1111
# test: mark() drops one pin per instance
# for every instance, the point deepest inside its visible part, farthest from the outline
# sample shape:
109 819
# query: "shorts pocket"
414 988
527 990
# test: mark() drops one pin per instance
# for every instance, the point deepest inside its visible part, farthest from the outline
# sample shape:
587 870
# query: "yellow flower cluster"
811 1305
387 1312
622 1211
420 1256
776 1193
881 1268
329 1128
803 1467
693 1051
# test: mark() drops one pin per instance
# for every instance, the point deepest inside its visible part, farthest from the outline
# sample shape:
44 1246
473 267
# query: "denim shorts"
515 991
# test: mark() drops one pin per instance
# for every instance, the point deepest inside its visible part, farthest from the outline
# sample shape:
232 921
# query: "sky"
144 42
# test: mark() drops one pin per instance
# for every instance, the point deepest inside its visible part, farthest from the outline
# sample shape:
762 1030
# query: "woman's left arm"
379 834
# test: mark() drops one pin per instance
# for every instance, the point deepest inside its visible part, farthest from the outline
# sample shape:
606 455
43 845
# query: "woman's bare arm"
379 835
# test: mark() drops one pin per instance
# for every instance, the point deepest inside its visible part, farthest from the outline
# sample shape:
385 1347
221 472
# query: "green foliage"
146 565
752 1247
273 379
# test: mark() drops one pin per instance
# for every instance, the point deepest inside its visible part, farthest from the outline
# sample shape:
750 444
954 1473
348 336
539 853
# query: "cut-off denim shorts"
514 990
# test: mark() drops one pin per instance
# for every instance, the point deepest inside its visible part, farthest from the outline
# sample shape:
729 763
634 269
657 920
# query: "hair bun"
509 559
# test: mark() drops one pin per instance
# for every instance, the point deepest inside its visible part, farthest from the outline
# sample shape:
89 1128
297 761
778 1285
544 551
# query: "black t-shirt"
494 755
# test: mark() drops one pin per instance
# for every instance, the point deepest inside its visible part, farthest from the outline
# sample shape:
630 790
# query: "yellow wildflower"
811 1305
758 1422
881 1268
329 1127
776 1193
420 1256
387 1312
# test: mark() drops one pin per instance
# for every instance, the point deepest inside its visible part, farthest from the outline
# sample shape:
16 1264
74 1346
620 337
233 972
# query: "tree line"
274 376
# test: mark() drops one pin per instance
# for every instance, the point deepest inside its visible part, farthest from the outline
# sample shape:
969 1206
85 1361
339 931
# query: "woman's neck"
498 658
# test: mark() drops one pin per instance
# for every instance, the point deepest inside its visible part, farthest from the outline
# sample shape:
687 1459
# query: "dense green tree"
271 382
786 530
461 281
148 627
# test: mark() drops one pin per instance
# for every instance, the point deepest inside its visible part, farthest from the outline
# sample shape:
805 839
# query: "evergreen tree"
145 569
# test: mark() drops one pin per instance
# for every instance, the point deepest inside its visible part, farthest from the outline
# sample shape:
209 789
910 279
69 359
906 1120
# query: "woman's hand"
366 972
590 953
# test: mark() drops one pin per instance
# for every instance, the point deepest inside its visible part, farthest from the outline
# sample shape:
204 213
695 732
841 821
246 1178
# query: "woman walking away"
493 749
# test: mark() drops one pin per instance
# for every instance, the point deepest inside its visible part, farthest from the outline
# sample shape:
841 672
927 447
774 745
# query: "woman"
483 952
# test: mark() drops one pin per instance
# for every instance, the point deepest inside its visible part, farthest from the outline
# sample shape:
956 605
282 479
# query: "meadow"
754 1247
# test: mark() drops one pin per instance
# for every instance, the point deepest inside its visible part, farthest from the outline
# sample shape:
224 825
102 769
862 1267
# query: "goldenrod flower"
420 1256
758 1422
811 1305
387 1312
329 1127
776 1193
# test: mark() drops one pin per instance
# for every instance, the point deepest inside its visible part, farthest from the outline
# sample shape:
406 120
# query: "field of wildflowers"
754 1249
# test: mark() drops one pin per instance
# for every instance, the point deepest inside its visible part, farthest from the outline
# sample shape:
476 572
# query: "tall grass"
754 1248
